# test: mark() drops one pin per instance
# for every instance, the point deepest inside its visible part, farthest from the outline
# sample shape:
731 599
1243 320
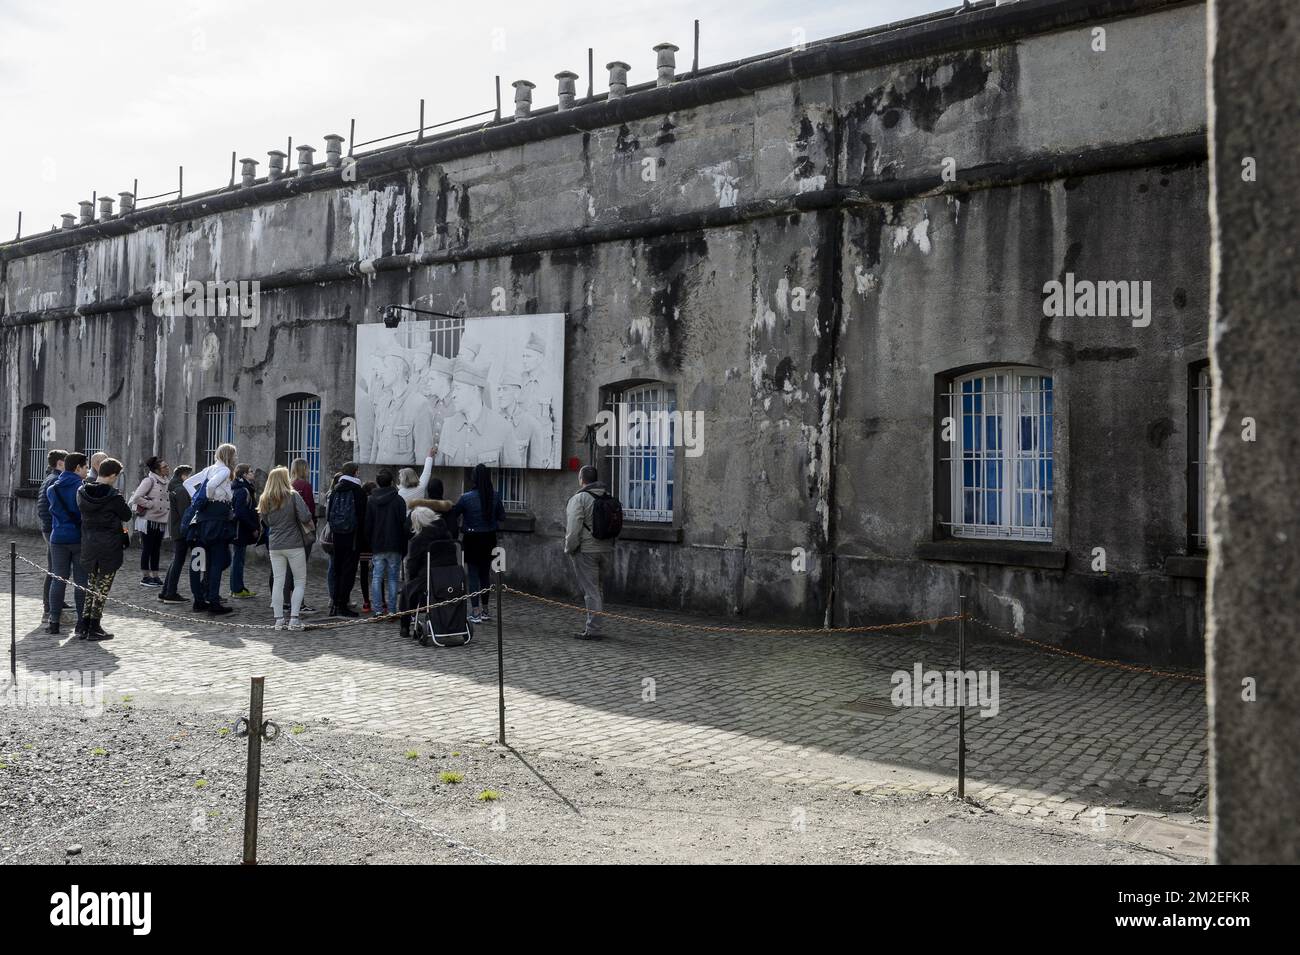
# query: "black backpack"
606 516
342 511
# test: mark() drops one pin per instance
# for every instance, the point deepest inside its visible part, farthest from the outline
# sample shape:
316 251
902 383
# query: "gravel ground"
154 785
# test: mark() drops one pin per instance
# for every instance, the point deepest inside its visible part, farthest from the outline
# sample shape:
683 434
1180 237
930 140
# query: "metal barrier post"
961 708
254 781
13 610
501 670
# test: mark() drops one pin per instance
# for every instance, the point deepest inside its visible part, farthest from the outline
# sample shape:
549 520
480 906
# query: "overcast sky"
95 94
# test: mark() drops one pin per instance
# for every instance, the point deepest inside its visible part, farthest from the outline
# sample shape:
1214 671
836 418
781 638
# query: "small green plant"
127 699
212 813
297 730
457 753
489 795
448 776
4 765
412 754
200 784
224 731
29 746
97 751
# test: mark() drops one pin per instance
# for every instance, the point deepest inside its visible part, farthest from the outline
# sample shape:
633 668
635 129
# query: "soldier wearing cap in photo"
435 385
396 406
475 434
535 396
531 436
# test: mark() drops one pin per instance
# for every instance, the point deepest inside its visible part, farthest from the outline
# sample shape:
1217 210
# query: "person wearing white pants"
289 521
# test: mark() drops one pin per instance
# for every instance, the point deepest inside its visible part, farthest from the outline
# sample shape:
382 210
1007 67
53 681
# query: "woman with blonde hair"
215 524
410 484
286 514
300 475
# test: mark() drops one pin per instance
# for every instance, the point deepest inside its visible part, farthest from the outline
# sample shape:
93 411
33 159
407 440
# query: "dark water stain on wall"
918 96
669 259
626 142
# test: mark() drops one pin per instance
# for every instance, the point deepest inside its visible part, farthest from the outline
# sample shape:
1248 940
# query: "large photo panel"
484 390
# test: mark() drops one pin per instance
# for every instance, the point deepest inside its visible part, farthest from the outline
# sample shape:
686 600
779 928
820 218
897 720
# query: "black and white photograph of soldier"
482 391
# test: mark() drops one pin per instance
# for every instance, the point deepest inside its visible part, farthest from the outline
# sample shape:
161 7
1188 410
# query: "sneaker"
199 606
243 594
218 609
53 628
171 598
279 624
151 582
585 635
475 618
296 624
304 609
365 608
485 613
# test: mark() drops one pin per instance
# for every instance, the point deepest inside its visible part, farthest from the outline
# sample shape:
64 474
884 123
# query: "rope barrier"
613 615
208 621
451 840
1114 664
712 629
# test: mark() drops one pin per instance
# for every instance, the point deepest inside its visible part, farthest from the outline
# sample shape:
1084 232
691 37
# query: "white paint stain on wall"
725 182
371 213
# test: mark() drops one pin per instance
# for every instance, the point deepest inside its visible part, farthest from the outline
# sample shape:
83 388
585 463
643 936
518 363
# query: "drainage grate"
869 708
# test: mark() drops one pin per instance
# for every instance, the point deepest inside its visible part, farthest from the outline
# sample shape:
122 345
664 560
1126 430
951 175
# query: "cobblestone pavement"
1070 738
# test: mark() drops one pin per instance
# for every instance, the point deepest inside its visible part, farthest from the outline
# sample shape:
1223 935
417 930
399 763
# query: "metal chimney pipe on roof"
666 63
125 203
87 212
305 162
617 78
568 89
523 98
105 208
247 172
333 150
275 164
69 221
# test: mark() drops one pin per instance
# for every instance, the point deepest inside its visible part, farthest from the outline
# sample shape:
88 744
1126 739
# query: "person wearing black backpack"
593 520
346 514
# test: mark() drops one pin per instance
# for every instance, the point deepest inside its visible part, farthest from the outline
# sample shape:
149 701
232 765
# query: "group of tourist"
380 531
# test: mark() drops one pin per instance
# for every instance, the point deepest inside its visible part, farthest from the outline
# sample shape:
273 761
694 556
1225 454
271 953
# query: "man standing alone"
589 542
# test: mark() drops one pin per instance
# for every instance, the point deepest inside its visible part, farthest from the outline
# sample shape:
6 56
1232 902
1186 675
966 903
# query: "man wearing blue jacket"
65 537
55 461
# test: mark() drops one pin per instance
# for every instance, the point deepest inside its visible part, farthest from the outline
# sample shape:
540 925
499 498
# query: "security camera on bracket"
392 314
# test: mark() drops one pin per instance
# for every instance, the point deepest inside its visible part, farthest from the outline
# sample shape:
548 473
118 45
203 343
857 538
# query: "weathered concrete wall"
818 421
1254 570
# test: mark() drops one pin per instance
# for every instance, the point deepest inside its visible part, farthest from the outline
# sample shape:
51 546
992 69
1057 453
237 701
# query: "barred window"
1000 464
216 427
92 422
643 463
1198 511
38 430
509 484
297 434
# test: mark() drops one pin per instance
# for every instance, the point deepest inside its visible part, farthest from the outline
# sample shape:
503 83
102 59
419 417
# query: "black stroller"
447 625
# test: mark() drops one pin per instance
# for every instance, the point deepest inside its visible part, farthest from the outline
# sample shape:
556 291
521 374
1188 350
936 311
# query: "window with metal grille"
642 462
1000 454
38 430
508 484
1198 511
216 427
439 335
92 422
298 435
514 492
